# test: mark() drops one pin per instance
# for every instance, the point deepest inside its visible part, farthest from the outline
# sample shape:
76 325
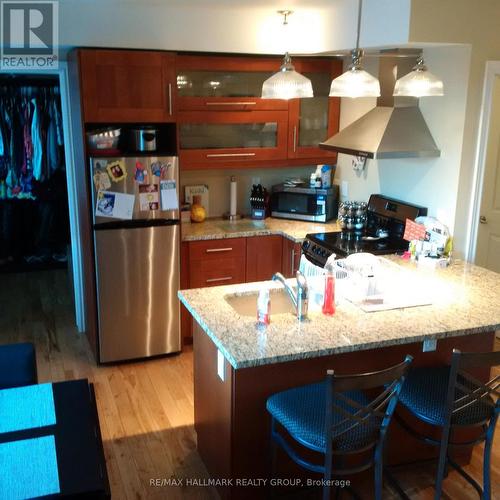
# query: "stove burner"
384 232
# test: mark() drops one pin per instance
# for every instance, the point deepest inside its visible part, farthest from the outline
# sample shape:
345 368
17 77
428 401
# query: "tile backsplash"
218 184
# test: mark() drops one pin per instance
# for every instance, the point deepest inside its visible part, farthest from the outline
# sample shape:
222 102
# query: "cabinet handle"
226 155
293 260
231 103
483 219
295 138
170 99
215 280
212 250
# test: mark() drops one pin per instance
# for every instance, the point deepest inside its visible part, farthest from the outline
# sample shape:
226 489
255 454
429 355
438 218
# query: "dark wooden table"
78 444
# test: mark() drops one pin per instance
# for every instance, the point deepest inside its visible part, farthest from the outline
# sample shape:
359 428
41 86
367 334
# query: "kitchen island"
238 365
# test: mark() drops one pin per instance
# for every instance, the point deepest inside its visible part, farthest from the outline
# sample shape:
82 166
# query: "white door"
488 240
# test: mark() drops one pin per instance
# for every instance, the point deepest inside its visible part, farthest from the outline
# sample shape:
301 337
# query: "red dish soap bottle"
264 307
329 295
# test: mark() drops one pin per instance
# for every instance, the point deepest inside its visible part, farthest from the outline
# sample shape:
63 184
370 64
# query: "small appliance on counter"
104 140
305 203
385 227
259 202
143 139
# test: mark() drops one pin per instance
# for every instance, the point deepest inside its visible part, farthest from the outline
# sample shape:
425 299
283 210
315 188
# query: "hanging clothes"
31 137
34 220
36 139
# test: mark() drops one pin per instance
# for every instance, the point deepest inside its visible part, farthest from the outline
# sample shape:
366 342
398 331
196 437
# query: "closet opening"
34 216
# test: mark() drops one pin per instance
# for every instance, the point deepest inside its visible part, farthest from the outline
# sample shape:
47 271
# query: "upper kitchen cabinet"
127 86
225 83
232 138
315 119
223 122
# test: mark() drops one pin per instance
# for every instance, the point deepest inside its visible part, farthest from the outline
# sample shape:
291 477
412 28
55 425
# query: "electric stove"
386 220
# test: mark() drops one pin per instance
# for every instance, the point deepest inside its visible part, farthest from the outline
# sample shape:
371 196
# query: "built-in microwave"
308 204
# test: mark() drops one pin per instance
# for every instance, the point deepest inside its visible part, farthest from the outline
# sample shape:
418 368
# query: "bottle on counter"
312 181
264 307
329 295
318 177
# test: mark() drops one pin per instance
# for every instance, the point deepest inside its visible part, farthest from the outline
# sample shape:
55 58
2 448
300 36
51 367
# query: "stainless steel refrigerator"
136 240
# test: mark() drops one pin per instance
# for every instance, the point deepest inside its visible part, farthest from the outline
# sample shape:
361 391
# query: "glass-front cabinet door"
314 119
218 83
207 139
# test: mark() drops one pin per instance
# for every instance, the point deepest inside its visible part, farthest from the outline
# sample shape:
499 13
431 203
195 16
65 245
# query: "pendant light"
287 83
355 82
419 82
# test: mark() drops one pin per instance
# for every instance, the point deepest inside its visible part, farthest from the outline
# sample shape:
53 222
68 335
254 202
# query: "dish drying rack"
375 284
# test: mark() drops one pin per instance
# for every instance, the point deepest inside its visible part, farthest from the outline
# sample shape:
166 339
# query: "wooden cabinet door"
314 120
212 139
127 86
291 257
263 257
225 83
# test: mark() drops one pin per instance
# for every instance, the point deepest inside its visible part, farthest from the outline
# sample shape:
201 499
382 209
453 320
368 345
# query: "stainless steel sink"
246 305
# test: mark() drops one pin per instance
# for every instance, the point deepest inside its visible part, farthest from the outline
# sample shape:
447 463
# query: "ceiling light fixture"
287 83
355 82
419 82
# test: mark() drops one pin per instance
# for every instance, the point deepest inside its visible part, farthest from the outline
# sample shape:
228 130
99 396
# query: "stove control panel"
316 253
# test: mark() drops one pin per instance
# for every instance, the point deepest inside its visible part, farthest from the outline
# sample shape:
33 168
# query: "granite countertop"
215 229
466 300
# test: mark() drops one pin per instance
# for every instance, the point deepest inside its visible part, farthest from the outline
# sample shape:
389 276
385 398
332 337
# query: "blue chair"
17 365
451 398
336 417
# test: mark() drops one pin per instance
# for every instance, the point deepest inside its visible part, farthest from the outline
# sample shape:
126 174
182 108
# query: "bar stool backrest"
379 409
470 390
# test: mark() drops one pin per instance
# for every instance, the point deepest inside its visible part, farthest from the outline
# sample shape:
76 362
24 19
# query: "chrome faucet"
299 300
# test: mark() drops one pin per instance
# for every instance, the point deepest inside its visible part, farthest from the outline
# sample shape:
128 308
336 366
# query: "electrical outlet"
344 189
220 366
429 345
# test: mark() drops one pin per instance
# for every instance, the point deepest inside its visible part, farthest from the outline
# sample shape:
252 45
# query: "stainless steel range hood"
395 128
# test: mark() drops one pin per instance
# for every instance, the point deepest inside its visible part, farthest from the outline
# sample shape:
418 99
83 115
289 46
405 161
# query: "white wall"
475 23
218 184
432 182
231 26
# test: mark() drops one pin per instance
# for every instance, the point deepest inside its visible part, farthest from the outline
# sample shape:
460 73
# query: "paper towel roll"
233 196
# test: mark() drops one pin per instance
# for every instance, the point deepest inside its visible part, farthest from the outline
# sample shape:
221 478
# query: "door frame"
491 71
74 220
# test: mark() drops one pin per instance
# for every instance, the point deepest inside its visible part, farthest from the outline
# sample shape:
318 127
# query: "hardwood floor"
146 408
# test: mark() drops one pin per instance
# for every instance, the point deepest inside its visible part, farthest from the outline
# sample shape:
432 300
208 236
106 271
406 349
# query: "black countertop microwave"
308 204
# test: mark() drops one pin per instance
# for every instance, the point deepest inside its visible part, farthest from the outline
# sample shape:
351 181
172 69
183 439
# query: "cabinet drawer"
217 249
215 272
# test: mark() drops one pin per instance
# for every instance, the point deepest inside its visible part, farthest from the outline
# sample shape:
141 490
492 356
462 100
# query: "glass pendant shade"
287 83
355 82
419 83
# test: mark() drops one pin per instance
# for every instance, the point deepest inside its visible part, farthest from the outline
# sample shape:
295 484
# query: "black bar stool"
451 398
336 417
